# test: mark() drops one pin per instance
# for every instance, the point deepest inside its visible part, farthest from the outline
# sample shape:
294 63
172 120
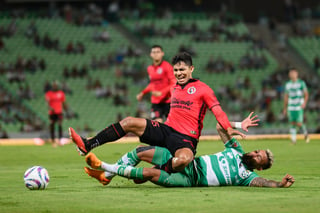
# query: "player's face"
156 54
293 75
182 72
54 86
255 159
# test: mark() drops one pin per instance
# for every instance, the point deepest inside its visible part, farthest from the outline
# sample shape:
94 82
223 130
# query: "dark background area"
250 10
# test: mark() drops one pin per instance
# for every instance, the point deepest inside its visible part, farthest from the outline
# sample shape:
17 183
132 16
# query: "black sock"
60 131
109 134
52 131
168 167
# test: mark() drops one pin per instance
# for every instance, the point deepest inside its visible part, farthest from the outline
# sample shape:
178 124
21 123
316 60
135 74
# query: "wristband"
238 125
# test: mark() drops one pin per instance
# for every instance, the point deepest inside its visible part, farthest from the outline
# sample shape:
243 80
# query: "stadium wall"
129 139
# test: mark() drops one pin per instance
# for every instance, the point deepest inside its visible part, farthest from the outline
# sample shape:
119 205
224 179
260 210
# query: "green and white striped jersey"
224 168
295 91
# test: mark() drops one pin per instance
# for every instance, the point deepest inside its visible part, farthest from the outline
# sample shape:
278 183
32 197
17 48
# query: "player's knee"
127 122
179 163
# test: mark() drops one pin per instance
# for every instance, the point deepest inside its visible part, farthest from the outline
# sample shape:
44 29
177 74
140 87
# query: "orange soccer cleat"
97 174
93 161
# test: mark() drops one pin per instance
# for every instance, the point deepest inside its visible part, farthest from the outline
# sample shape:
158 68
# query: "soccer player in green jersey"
295 101
230 167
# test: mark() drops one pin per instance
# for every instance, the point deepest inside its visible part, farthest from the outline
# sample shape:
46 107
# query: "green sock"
130 172
163 179
304 129
129 159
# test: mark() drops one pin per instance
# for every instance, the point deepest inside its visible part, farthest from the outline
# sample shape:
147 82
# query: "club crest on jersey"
191 90
159 70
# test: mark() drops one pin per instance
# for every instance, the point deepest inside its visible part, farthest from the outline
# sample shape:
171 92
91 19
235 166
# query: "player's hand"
303 106
287 181
249 122
232 131
156 93
139 96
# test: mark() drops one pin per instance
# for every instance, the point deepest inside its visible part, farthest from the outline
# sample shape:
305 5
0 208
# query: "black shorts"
55 117
160 110
159 134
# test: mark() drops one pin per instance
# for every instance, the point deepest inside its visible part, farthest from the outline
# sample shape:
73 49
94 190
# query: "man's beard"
248 161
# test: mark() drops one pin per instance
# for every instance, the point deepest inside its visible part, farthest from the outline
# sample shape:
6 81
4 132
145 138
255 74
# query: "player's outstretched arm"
286 182
249 121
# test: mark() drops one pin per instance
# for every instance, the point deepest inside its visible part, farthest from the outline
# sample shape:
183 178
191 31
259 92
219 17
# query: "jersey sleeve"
234 144
210 98
247 176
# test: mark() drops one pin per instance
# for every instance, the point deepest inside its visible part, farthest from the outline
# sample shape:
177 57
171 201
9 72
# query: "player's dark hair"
292 68
182 57
157 46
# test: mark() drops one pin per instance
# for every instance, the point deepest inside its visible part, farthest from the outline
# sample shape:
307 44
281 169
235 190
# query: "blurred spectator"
31 30
47 41
70 48
80 48
83 72
66 73
74 72
31 65
42 64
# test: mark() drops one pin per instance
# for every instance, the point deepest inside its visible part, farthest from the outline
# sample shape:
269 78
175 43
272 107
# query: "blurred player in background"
190 99
56 104
161 80
295 101
230 167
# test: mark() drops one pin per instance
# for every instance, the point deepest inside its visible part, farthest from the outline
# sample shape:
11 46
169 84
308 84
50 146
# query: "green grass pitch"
71 190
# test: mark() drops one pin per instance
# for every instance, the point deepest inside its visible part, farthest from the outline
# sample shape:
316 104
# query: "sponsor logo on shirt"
159 70
191 90
177 103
